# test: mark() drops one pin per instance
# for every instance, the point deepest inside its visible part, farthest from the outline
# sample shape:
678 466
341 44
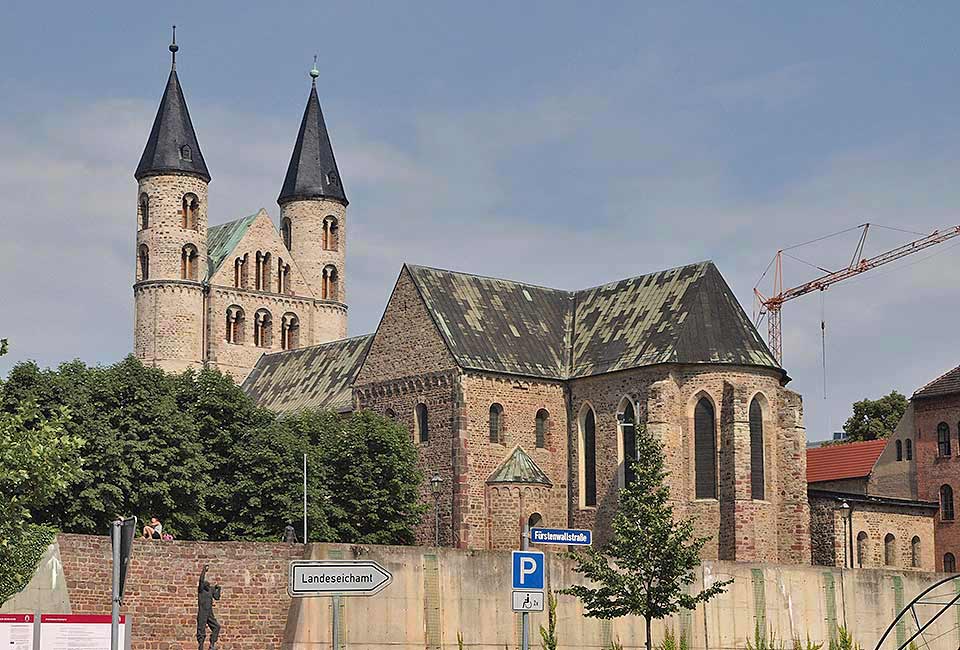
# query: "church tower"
313 218
171 254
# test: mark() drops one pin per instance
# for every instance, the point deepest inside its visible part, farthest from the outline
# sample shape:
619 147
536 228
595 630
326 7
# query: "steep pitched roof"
316 377
172 131
848 460
519 468
946 384
312 173
222 239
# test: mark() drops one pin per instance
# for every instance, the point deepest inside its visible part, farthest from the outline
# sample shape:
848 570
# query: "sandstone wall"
934 470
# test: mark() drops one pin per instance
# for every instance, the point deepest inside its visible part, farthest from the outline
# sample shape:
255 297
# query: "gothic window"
915 552
286 232
263 329
331 233
861 548
144 254
189 211
329 288
496 424
943 439
144 211
946 503
899 450
290 336
186 153
420 415
909 449
949 563
543 422
889 549
235 321
588 459
188 262
628 436
705 450
756 451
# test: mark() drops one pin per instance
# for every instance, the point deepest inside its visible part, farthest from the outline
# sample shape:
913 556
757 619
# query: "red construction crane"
771 306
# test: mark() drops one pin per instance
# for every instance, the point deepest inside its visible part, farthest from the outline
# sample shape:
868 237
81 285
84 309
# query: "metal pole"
525 616
436 519
304 498
115 598
336 623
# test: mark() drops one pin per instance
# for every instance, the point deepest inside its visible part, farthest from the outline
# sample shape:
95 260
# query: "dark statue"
205 618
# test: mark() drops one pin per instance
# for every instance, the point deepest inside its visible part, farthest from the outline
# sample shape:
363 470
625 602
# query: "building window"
234 331
946 503
144 254
915 552
899 451
290 334
588 459
496 424
189 211
283 276
628 439
265 272
390 413
144 212
186 153
943 439
534 520
262 329
543 421
949 563
420 415
188 262
241 273
757 475
890 550
705 450
329 289
909 449
861 548
331 234
286 232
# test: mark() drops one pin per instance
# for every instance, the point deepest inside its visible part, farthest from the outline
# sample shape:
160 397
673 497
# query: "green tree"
647 566
873 419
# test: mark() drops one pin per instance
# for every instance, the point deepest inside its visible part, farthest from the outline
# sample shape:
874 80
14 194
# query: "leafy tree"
648 564
875 419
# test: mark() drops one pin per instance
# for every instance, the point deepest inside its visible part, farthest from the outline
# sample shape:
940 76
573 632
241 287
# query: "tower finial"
173 50
314 73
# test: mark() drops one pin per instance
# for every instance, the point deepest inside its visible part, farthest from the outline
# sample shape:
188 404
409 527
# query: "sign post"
122 532
528 584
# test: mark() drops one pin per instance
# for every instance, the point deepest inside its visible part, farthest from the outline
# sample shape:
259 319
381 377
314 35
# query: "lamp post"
435 482
847 533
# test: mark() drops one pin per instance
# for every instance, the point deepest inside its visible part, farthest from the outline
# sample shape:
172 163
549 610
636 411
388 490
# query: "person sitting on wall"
154 530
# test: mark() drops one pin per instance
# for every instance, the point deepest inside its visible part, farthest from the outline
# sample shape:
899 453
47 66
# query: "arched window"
235 321
189 211
627 420
258 270
186 153
915 552
909 449
890 550
188 262
420 415
757 476
265 272
329 289
390 413
144 211
534 520
705 450
861 548
286 232
290 335
144 255
543 422
899 450
496 424
946 503
943 439
331 233
588 459
949 563
263 329
240 271
283 276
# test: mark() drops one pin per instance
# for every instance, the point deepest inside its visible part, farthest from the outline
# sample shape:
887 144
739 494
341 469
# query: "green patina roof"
315 377
519 468
222 239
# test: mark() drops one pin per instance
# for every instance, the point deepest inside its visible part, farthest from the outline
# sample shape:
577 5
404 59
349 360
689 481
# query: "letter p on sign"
528 570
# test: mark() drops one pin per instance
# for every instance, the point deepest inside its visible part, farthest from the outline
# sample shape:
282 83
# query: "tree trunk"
649 640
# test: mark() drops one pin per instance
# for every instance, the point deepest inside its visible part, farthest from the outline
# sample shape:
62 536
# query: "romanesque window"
899 451
946 503
534 520
290 334
705 450
890 550
188 262
144 211
189 211
943 439
144 254
265 272
234 325
543 421
262 329
909 449
241 271
628 436
331 233
329 289
258 268
588 459
283 276
420 415
390 413
861 548
186 153
286 232
496 424
949 563
757 489
915 552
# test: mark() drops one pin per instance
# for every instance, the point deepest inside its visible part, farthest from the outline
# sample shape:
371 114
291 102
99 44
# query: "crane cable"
823 342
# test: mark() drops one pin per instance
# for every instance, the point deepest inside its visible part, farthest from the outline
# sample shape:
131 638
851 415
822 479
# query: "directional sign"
565 536
337 578
528 601
528 570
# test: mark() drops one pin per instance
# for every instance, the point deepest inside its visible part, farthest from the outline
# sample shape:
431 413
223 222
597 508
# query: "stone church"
524 401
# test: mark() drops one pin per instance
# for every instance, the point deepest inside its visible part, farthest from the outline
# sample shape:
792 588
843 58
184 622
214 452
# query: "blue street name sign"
565 536
528 570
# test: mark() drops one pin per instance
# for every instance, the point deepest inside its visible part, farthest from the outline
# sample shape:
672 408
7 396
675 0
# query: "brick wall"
933 471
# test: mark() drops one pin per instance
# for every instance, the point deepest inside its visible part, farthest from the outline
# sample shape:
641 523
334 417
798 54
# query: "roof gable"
843 461
946 384
519 468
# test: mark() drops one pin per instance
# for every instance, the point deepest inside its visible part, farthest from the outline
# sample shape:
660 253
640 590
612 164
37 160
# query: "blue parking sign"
528 570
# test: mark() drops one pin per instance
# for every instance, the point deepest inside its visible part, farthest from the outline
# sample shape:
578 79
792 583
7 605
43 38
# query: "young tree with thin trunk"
648 564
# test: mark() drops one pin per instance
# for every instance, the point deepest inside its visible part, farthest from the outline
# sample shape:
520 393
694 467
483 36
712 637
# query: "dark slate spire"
313 172
172 146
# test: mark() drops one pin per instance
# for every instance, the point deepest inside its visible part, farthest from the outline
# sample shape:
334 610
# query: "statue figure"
289 535
205 618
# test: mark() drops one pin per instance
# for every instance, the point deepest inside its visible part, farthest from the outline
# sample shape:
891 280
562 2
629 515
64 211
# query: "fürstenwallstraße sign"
337 578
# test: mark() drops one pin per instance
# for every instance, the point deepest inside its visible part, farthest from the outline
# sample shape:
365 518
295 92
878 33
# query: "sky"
557 143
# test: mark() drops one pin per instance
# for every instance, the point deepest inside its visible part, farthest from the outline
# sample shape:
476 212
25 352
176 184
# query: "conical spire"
312 173
172 146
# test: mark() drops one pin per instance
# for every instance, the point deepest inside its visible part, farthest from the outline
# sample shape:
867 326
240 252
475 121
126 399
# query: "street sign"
528 601
337 578
128 530
528 570
565 536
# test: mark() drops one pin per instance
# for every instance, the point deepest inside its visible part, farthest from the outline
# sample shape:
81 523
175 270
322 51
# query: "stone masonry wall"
306 221
168 324
934 470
